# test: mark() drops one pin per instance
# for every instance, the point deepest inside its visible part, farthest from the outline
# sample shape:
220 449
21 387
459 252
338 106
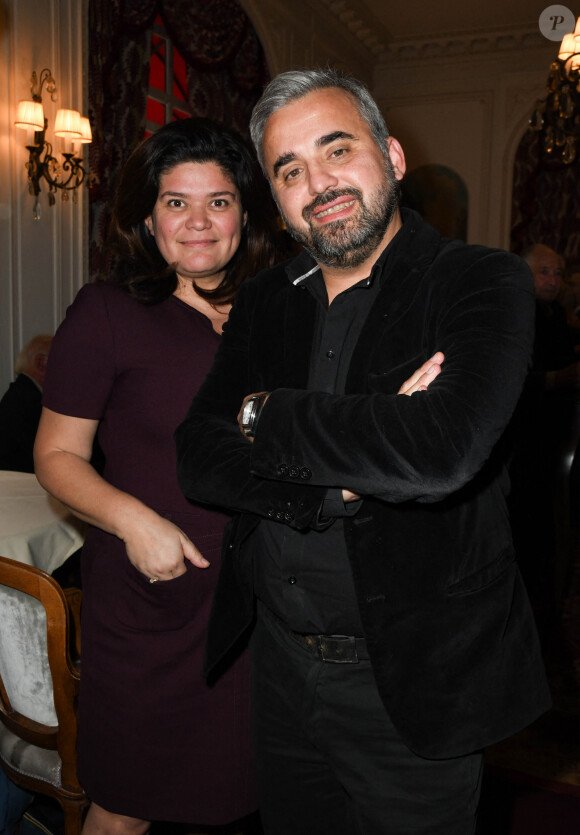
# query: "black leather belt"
336 649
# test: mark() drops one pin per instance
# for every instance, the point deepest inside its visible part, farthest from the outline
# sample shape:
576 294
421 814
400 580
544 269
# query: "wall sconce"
67 175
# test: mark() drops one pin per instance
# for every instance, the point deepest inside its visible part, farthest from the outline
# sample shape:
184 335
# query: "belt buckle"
338 649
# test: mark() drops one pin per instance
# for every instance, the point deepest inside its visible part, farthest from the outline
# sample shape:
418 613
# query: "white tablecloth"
35 528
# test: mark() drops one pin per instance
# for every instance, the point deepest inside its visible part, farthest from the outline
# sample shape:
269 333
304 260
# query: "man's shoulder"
447 260
458 260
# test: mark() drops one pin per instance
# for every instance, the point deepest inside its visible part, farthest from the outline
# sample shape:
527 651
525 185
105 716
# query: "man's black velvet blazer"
446 617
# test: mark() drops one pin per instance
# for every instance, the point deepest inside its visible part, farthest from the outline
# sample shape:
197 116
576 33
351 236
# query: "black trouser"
329 761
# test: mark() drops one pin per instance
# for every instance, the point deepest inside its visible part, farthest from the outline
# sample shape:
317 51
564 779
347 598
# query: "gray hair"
294 84
39 344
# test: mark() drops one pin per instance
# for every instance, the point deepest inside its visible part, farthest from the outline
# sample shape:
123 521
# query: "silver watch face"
248 412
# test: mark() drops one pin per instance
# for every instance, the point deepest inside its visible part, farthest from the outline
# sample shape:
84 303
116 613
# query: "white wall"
468 111
43 262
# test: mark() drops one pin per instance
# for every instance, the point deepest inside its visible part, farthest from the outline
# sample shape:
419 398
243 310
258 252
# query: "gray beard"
348 243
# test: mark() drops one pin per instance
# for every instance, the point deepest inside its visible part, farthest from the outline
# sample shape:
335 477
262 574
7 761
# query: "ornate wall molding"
465 44
518 100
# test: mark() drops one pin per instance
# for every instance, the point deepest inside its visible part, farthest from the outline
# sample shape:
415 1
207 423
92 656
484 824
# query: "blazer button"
280 515
282 469
288 516
294 472
292 580
271 512
305 473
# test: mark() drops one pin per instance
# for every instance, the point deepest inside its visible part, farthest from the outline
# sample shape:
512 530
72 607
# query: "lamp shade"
30 114
67 123
567 47
86 132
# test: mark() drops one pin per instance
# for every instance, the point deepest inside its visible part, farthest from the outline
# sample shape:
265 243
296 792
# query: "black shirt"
305 577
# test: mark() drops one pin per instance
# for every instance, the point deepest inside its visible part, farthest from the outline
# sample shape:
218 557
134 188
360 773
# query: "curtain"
226 72
545 202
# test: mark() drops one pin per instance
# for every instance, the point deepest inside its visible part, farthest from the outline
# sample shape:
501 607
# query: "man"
21 406
547 270
394 638
554 354
569 298
546 433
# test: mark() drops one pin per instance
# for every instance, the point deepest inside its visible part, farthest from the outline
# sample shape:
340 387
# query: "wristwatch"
252 411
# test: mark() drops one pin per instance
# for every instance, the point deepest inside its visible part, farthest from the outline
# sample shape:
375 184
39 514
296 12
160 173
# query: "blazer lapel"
298 331
400 281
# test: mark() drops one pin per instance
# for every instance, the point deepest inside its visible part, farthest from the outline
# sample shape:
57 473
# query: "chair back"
38 681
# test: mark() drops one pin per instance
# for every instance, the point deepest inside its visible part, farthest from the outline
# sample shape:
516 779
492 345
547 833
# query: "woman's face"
197 221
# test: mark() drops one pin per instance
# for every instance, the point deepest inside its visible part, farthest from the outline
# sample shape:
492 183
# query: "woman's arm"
62 453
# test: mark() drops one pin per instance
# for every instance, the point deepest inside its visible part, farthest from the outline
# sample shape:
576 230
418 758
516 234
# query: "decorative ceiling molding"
366 28
375 38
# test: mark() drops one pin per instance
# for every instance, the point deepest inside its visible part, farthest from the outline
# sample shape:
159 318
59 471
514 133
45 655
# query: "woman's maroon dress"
155 741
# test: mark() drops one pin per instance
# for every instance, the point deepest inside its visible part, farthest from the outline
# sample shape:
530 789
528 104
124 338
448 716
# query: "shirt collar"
303 267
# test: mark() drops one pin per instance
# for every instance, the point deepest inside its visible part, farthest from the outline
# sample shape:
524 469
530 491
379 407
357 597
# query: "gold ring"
153 579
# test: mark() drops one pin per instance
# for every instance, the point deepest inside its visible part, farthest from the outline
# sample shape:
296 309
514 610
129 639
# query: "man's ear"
397 157
40 361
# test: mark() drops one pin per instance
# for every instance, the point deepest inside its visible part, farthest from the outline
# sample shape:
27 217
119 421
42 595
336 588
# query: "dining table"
35 528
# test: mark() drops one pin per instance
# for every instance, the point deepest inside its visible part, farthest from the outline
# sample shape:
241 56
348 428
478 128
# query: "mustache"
328 197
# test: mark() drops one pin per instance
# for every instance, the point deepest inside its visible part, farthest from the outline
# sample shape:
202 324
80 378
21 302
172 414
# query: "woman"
155 741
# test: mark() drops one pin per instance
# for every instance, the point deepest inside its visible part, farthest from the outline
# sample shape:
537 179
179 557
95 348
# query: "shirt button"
330 354
292 580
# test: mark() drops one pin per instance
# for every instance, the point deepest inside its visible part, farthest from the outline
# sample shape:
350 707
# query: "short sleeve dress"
155 740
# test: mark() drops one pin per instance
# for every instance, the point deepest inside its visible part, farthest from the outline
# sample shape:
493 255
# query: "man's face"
546 268
336 191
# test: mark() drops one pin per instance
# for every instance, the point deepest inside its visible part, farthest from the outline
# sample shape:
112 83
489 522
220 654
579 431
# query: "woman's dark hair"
141 269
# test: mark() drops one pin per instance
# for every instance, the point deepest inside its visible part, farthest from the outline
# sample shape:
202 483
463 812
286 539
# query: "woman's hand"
62 452
158 548
423 376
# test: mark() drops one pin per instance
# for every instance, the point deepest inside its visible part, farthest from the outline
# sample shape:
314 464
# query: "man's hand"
423 376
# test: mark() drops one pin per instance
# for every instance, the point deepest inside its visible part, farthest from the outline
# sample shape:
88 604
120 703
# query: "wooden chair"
38 689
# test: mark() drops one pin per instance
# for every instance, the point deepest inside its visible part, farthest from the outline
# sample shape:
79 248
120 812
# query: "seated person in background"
21 405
